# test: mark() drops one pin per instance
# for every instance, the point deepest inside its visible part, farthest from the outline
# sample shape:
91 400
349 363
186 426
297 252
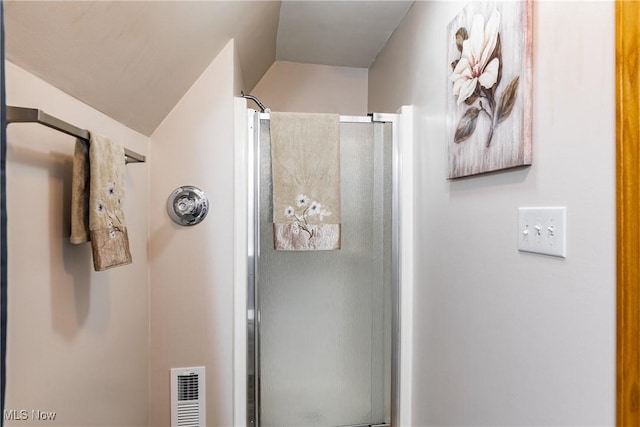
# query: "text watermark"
28 414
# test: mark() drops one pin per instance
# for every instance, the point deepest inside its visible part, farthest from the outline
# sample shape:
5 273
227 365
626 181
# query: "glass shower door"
325 316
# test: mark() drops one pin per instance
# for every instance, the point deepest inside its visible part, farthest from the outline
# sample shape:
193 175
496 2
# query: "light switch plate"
543 231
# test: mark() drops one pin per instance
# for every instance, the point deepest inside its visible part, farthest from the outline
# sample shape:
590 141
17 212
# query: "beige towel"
107 230
305 163
80 194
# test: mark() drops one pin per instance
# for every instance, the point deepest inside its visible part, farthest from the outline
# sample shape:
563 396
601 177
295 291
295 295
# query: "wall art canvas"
489 87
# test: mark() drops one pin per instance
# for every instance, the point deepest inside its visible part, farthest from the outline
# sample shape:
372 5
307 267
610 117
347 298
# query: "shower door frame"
401 269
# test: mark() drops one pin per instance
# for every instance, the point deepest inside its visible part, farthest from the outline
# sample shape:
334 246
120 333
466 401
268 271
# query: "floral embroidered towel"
107 229
305 164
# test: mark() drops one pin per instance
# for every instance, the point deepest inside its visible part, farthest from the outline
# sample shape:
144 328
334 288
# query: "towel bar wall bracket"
33 115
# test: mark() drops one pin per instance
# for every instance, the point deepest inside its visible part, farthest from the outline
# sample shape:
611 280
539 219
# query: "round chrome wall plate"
187 205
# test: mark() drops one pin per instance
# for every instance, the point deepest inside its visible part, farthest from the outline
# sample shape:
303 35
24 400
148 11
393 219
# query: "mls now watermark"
24 415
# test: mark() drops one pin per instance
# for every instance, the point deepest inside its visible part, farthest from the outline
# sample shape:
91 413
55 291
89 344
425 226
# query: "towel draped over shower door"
305 162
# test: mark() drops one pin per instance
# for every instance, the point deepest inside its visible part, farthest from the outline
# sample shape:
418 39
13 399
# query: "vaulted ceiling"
134 60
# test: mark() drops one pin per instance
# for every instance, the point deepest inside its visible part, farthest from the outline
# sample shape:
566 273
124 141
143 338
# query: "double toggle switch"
542 230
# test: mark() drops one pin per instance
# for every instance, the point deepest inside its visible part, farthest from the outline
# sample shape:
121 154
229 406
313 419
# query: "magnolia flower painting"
489 83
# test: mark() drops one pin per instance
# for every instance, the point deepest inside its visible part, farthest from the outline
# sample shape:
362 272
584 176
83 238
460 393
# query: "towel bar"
33 115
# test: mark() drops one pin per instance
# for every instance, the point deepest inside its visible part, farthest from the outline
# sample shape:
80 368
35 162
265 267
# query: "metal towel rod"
33 115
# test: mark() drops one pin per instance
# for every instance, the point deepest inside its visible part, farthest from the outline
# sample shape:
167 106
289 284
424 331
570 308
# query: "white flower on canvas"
474 66
477 75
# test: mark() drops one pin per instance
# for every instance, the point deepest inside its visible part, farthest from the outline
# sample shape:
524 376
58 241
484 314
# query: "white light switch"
543 231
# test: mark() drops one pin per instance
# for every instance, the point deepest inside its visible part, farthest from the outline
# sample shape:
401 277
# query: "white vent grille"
188 387
188 397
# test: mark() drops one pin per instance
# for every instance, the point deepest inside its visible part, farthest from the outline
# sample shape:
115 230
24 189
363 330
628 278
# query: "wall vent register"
188 397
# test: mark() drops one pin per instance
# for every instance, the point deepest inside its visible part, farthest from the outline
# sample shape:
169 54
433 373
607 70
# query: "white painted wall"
312 88
191 268
77 340
500 337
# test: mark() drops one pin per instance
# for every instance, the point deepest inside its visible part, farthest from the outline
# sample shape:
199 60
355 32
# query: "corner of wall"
191 268
238 80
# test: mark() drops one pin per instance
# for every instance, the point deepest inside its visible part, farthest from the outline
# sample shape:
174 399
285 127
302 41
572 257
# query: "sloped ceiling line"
135 60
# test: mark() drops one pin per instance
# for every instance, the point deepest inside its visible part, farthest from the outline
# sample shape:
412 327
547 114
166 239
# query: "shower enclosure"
322 324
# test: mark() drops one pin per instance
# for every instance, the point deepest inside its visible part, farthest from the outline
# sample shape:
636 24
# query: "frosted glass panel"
325 315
